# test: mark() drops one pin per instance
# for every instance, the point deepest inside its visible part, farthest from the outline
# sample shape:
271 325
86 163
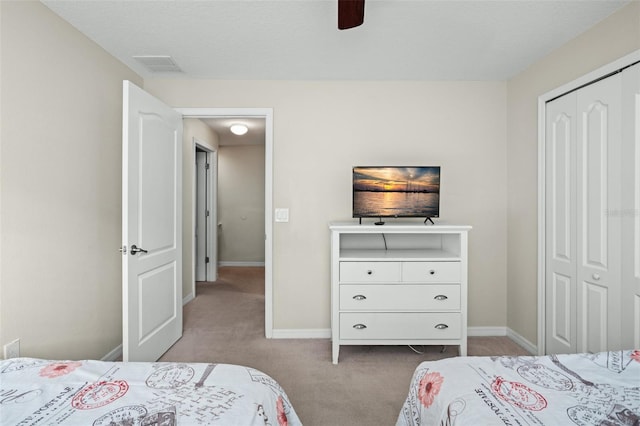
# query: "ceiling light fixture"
238 129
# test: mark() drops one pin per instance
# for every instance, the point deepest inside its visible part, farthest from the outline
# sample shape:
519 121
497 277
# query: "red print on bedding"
429 387
635 355
59 369
518 394
282 416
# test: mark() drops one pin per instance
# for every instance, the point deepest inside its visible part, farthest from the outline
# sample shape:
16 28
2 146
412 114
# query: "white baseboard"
114 355
325 333
530 347
188 298
486 331
312 333
225 263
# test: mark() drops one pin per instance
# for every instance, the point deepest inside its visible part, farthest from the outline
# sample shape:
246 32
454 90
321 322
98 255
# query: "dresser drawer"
400 326
431 272
370 272
400 297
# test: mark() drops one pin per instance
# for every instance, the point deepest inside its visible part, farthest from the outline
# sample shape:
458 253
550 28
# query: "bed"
97 393
583 389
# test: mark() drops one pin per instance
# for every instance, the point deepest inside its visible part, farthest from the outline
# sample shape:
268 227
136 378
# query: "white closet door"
630 212
560 291
598 150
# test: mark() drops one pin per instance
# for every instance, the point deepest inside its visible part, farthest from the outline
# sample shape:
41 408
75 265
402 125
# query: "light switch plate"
282 215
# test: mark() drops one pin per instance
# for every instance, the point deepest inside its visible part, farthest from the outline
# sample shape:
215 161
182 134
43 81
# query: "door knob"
135 250
596 277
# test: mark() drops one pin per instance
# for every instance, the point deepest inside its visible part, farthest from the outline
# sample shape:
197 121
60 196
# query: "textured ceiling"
299 39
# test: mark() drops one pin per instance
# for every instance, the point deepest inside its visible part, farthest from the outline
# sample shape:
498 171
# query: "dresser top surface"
354 226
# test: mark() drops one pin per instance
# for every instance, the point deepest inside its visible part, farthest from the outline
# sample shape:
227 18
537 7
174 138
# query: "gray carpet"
225 324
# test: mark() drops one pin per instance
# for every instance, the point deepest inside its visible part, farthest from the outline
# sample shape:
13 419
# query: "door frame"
211 176
267 114
586 79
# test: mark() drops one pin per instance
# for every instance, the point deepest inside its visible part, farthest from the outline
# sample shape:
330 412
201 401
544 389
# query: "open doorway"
222 116
205 214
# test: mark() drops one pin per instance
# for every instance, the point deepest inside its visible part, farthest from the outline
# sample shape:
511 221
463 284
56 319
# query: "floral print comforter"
583 389
97 393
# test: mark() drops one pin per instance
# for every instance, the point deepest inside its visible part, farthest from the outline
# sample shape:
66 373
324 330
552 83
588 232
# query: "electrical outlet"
12 350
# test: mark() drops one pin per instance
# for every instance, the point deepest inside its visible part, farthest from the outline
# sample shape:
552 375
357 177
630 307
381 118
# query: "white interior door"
152 225
201 216
560 279
598 223
631 207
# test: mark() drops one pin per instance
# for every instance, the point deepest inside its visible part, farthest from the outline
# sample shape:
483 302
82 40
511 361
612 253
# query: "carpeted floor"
225 324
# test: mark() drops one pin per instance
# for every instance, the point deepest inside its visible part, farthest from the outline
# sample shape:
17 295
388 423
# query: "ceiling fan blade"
350 13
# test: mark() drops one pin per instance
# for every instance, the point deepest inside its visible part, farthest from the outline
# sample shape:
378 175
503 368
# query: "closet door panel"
594 318
630 213
598 227
560 287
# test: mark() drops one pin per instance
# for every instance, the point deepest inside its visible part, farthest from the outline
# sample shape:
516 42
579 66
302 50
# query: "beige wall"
60 175
193 128
241 204
322 129
611 39
60 282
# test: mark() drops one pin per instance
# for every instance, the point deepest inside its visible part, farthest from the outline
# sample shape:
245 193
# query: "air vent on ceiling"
158 63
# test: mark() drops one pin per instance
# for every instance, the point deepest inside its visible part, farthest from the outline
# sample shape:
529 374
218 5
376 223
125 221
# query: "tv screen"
396 191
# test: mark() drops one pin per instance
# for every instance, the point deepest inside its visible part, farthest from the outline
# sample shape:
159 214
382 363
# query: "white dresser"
398 284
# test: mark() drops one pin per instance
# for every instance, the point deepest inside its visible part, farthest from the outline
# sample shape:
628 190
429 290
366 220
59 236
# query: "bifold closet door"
560 188
630 213
598 201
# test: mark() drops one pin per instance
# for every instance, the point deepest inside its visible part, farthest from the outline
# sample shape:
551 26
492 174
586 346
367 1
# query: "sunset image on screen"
396 179
396 191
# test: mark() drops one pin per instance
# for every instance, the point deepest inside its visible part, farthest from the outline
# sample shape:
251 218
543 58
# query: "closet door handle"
359 297
596 276
442 326
359 326
441 297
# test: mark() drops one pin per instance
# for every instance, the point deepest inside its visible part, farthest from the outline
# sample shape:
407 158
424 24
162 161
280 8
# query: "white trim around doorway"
267 114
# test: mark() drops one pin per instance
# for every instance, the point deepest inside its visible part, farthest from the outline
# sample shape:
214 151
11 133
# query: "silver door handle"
596 277
359 326
441 326
441 297
135 250
359 297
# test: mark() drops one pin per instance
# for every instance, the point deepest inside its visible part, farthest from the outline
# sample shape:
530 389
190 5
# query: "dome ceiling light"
238 129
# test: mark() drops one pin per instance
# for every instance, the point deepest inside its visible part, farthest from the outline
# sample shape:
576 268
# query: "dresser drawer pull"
432 272
442 326
359 297
369 272
359 326
441 297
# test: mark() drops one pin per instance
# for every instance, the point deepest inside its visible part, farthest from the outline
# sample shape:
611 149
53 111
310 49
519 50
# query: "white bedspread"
40 392
583 389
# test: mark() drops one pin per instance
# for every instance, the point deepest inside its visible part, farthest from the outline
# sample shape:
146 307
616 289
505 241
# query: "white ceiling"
299 39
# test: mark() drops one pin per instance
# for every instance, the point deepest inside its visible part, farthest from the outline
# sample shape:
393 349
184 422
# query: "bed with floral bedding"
41 392
583 389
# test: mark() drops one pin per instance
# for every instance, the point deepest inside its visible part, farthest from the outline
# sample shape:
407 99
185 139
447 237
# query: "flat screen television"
396 192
